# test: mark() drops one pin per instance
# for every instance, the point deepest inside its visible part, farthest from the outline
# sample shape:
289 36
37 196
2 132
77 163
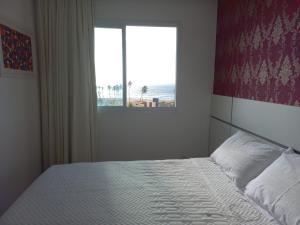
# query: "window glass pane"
109 66
151 66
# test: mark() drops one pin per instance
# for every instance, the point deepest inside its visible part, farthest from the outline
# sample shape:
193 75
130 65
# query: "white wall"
277 123
20 155
133 135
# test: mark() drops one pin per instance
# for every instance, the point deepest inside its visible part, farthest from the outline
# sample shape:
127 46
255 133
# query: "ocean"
163 92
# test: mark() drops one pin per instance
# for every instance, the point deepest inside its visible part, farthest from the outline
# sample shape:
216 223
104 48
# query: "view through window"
150 78
109 66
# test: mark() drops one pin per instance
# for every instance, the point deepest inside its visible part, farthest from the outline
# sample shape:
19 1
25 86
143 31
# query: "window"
109 66
136 66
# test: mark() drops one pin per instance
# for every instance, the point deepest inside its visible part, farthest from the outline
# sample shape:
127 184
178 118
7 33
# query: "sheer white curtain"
68 97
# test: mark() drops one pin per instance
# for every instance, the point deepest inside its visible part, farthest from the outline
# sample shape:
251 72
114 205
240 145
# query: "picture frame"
17 58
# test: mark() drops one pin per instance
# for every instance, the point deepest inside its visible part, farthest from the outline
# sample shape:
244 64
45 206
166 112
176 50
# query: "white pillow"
243 157
277 189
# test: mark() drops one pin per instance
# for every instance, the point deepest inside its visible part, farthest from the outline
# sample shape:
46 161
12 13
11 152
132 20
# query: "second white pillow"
277 189
243 157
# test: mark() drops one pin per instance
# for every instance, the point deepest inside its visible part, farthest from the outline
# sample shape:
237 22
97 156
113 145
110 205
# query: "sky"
151 55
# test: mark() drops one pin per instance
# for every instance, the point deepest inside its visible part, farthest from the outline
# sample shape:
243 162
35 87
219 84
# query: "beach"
155 97
136 103
151 104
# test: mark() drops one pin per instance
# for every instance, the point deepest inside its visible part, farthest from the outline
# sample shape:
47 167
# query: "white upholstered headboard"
277 123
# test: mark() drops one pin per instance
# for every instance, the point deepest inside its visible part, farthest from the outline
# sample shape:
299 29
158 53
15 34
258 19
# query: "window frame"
122 25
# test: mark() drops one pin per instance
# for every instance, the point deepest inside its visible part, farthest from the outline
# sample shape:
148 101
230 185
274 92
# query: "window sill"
134 109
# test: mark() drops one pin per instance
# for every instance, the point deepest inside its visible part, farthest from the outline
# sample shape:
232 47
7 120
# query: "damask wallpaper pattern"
16 49
258 50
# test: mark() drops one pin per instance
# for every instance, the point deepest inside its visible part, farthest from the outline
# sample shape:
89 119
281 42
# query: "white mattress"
172 192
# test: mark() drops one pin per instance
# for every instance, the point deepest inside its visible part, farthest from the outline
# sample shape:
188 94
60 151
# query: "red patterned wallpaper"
16 49
258 50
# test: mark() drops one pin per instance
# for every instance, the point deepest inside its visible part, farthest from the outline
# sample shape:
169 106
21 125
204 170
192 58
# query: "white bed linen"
172 192
277 189
244 156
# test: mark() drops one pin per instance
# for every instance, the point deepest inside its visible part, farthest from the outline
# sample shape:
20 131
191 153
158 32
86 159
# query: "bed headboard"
276 123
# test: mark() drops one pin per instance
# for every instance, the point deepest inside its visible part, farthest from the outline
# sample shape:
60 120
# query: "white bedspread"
172 192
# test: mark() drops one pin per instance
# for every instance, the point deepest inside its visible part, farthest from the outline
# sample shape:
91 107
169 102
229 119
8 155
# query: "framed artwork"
16 55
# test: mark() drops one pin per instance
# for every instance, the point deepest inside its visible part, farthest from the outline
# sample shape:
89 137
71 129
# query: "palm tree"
129 86
120 89
143 91
101 91
117 91
114 88
109 88
98 92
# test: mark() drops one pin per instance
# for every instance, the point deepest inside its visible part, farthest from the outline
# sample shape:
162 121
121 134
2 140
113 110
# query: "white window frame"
122 25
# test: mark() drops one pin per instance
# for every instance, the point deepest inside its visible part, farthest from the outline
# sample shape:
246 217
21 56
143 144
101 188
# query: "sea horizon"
162 92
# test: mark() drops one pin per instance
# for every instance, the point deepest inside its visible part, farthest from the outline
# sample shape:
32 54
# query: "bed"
171 192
